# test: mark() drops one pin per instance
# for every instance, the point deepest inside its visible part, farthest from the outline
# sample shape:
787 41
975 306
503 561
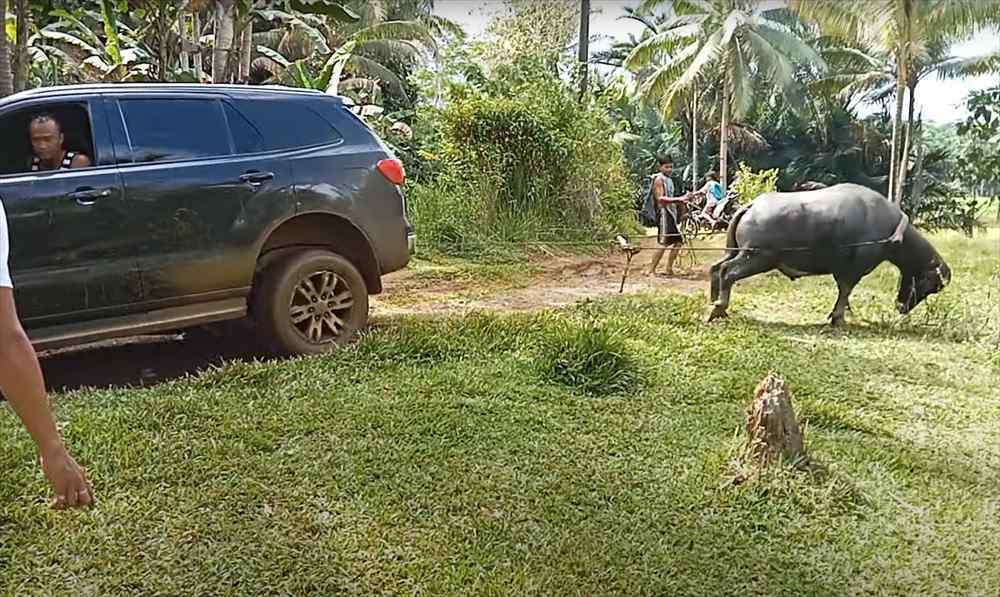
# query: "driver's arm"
81 160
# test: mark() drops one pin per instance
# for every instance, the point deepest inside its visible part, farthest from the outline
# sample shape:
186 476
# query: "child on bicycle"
712 190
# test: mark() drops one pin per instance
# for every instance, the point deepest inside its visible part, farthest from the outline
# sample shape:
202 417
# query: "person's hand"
68 480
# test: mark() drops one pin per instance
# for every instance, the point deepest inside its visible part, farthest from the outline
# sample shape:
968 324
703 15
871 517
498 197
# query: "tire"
291 288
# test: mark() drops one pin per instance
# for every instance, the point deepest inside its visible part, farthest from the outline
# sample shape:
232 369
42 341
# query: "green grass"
457 456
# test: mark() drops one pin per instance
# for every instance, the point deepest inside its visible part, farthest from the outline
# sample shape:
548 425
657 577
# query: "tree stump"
773 434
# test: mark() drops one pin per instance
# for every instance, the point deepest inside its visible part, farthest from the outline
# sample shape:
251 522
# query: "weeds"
589 358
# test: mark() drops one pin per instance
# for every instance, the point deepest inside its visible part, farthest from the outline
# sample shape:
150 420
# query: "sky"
940 101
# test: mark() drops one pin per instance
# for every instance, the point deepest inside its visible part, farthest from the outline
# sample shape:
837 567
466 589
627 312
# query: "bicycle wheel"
691 228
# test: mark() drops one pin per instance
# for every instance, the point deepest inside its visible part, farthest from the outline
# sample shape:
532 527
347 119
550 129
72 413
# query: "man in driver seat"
48 144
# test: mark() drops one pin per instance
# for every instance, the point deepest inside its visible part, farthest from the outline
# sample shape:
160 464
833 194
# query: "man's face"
667 169
46 139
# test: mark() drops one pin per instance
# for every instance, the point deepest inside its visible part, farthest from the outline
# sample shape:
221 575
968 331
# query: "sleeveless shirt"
66 164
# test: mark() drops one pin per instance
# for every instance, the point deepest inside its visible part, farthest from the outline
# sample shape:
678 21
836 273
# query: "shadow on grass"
858 329
137 362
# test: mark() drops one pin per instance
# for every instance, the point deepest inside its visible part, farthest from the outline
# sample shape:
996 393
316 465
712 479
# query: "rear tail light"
393 170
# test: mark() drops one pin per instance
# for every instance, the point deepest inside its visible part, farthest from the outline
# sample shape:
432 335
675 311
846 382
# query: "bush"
749 184
519 163
590 359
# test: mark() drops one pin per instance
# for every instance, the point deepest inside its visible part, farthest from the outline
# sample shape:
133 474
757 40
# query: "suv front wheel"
311 302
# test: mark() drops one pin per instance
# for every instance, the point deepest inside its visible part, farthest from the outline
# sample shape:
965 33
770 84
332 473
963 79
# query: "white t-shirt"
4 251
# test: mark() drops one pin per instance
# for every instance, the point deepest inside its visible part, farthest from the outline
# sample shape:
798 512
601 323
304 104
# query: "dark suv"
203 204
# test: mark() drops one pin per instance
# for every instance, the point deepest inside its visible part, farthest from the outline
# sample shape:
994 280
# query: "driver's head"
46 136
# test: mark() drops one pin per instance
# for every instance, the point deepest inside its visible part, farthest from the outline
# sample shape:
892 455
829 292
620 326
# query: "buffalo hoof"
718 312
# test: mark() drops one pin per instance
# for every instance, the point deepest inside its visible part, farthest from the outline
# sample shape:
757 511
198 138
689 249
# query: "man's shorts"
669 233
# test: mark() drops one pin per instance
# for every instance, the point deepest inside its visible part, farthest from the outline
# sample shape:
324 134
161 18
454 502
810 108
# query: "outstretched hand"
68 480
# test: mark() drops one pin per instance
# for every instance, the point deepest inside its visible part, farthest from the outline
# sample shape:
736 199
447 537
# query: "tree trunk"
773 433
904 161
584 55
6 75
224 33
164 58
21 58
185 57
919 180
902 71
197 63
724 134
896 130
246 51
694 140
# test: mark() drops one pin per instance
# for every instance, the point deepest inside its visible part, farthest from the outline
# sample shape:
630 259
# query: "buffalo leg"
734 270
715 273
845 285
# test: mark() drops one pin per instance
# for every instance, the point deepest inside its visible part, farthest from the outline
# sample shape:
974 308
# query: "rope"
762 250
594 243
626 245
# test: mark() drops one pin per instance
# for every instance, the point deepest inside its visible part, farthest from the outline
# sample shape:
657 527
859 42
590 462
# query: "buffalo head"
915 287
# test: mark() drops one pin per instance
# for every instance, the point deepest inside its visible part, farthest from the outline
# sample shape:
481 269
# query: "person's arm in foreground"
23 386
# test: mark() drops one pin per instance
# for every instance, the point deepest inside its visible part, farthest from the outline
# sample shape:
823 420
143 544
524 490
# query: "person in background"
22 384
712 191
669 211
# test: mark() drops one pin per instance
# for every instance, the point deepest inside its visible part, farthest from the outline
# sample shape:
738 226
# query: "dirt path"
547 283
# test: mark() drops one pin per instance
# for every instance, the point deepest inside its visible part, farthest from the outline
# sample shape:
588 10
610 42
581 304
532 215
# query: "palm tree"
364 55
867 74
908 31
6 76
736 40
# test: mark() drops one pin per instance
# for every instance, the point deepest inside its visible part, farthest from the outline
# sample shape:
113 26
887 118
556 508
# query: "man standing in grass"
668 216
22 384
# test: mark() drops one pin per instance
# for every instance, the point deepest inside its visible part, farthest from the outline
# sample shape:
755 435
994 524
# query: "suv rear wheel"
311 302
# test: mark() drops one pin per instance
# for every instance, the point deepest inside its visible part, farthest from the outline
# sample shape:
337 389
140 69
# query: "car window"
70 121
246 138
175 129
288 125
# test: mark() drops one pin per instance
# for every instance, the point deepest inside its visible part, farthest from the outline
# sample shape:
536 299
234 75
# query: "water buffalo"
845 230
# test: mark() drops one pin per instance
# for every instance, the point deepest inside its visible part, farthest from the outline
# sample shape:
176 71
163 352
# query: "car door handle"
256 179
88 197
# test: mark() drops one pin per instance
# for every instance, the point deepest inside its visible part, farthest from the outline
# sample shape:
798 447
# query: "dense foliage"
981 152
514 156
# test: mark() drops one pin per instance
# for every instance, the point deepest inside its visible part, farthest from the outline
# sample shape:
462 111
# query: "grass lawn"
576 452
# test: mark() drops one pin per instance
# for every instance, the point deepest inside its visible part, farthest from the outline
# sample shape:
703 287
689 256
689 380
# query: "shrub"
590 359
749 184
530 164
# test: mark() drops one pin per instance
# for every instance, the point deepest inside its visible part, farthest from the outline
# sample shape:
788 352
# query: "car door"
190 166
70 258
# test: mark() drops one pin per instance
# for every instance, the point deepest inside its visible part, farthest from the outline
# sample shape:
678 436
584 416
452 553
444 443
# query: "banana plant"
117 56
